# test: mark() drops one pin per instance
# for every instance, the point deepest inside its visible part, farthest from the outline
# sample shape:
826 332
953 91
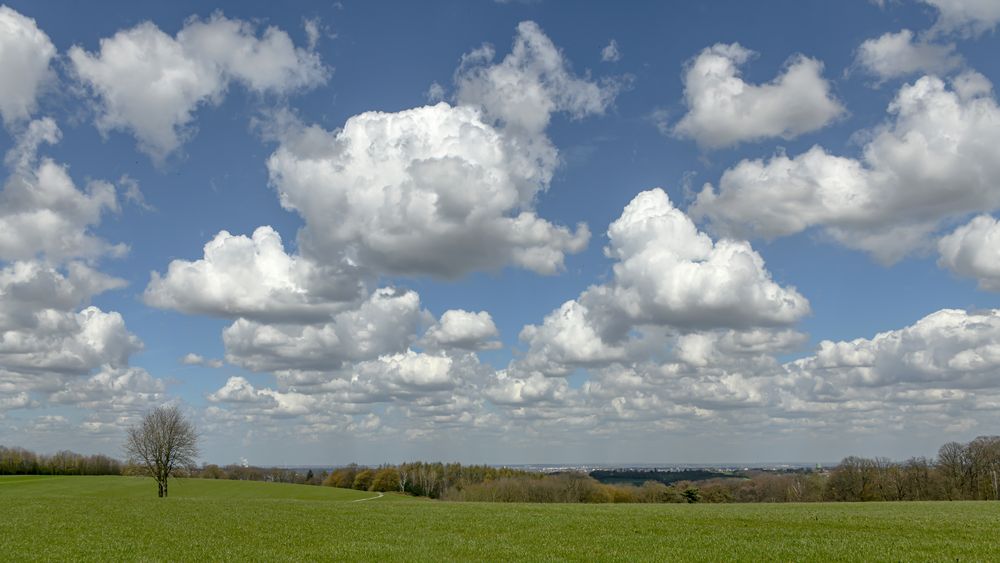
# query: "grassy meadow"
120 518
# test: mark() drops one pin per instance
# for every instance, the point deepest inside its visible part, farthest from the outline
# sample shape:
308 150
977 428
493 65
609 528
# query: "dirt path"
380 495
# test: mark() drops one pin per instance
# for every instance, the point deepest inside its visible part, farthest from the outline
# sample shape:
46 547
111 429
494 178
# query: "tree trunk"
159 488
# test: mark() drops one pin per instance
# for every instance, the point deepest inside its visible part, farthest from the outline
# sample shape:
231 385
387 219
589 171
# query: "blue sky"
474 263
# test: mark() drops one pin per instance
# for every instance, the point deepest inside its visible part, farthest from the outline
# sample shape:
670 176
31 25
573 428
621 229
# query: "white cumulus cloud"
965 17
973 250
150 84
384 324
410 371
458 328
951 348
432 190
41 330
530 84
666 274
893 55
42 212
253 277
192 359
116 389
25 53
517 391
934 162
566 338
723 109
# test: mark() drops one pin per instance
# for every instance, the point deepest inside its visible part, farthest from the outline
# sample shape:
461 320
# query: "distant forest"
640 476
969 471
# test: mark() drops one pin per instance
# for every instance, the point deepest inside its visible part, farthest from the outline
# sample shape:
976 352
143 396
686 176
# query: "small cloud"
193 359
724 110
435 93
611 53
316 30
895 55
660 117
133 194
312 32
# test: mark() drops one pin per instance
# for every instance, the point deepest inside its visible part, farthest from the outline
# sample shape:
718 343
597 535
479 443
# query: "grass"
116 518
139 488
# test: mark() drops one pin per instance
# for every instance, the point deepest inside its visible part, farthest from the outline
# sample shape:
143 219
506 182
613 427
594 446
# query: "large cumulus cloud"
432 190
440 191
56 348
934 162
253 277
666 274
939 360
150 84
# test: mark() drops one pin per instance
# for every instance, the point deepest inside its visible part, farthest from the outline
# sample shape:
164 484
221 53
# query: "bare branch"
163 442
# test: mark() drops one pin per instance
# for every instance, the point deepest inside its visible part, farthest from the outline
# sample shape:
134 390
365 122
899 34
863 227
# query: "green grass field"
120 518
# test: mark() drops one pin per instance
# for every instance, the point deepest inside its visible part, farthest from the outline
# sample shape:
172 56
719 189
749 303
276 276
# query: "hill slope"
142 487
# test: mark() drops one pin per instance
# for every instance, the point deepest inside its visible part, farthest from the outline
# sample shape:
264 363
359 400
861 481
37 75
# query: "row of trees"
451 481
568 488
419 478
763 486
481 483
253 473
19 461
968 471
579 487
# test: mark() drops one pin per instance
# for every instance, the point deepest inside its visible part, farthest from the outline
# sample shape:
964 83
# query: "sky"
502 232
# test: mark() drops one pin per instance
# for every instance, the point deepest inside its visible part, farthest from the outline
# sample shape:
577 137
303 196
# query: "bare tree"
956 468
163 442
984 456
404 477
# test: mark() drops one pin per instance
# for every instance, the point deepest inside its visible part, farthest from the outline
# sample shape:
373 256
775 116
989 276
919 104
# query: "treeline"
236 472
419 478
640 476
19 461
969 471
564 488
961 472
580 487
482 483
